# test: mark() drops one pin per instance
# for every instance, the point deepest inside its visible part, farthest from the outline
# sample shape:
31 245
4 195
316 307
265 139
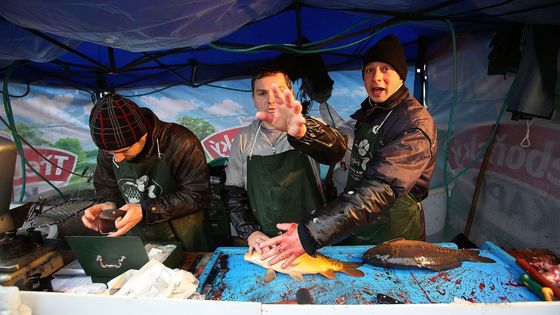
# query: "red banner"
59 159
537 162
218 144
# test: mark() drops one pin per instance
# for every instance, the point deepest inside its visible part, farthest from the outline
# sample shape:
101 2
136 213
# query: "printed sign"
219 143
59 159
537 164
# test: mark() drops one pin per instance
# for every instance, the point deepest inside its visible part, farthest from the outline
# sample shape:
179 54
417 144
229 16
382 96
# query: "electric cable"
15 135
40 154
451 116
181 84
483 149
288 47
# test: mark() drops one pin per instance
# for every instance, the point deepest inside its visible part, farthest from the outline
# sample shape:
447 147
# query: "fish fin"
394 240
329 274
481 259
352 272
297 276
443 267
270 275
350 264
351 269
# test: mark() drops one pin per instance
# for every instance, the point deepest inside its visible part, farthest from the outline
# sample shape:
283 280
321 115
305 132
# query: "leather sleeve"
237 205
189 169
322 142
106 188
365 203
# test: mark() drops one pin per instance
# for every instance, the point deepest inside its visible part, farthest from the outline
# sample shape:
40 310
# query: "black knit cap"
388 50
116 123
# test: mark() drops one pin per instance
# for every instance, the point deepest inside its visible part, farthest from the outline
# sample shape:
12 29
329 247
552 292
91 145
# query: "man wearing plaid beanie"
392 162
154 170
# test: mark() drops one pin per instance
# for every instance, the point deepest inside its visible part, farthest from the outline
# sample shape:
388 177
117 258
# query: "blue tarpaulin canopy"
130 44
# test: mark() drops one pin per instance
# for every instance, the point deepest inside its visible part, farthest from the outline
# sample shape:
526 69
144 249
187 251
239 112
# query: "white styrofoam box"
435 213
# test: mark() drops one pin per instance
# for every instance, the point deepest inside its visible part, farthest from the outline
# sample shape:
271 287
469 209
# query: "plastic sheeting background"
519 201
55 121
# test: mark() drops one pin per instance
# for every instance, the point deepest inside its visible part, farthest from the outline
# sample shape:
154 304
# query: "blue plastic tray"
227 277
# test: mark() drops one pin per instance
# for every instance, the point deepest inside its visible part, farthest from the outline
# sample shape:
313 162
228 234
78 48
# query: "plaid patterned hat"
116 122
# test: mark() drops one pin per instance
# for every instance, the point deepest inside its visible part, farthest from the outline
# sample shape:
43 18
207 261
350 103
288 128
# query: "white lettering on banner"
508 157
218 144
47 164
60 162
46 167
35 165
225 146
51 168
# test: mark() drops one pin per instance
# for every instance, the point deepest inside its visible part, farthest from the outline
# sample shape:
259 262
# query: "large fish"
305 265
405 253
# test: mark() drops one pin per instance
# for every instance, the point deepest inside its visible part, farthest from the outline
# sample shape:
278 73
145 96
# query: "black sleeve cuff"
145 204
308 243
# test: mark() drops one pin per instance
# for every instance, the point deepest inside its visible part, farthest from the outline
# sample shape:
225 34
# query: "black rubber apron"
152 178
405 219
281 188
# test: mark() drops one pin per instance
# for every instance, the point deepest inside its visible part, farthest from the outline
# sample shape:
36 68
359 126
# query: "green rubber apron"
152 178
282 188
404 219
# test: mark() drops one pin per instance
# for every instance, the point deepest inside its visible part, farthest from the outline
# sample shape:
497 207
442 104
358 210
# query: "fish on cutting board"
305 265
408 253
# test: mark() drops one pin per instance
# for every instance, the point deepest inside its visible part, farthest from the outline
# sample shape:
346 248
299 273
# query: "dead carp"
306 265
406 253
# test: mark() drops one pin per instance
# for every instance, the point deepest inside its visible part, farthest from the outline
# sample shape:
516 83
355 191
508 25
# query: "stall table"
227 277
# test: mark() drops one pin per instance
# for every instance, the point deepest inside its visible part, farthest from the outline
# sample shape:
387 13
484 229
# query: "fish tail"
351 269
474 256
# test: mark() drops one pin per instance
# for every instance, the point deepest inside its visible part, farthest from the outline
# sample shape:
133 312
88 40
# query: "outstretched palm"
287 116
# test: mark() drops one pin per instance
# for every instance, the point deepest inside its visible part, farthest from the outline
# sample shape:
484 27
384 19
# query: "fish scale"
306 264
409 253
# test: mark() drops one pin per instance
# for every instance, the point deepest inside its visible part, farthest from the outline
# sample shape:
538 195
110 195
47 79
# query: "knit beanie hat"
388 50
116 122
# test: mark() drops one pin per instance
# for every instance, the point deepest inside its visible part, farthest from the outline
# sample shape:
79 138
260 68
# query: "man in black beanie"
392 162
154 170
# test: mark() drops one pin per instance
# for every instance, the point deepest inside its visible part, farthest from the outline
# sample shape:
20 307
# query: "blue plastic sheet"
228 277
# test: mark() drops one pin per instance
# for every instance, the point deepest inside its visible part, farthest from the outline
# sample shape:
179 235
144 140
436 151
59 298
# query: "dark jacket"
325 143
404 163
187 162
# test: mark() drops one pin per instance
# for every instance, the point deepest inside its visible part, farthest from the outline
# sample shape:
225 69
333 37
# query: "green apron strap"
281 188
153 178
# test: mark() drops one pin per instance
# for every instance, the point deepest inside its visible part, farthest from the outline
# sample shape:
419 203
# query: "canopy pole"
298 25
111 53
420 71
68 48
166 67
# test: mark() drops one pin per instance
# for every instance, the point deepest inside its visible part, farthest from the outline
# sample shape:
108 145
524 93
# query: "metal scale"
29 255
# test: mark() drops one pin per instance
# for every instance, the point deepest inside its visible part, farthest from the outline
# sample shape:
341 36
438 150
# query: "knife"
544 293
385 299
538 277
220 267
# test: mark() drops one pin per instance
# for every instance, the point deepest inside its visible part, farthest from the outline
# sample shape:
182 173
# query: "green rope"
451 117
15 135
292 47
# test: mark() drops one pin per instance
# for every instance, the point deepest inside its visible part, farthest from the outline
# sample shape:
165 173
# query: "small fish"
306 265
407 253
